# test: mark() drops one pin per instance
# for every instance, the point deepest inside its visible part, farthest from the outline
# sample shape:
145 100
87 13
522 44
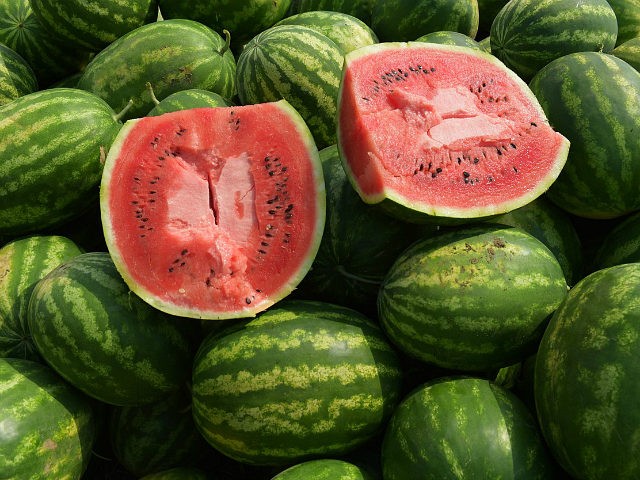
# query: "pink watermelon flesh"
214 212
441 130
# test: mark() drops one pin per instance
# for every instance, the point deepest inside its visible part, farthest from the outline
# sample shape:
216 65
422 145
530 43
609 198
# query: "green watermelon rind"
394 202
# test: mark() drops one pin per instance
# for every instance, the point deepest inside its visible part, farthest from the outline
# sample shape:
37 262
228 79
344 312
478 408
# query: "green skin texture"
553 227
156 436
359 244
405 20
270 68
456 427
628 15
48 426
103 339
447 37
23 263
620 245
323 469
80 23
472 299
347 32
185 99
358 8
593 99
528 34
172 55
244 19
303 379
50 60
629 51
16 76
60 134
586 372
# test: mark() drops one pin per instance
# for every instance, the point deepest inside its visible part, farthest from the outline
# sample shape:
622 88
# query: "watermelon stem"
358 278
118 116
227 43
154 99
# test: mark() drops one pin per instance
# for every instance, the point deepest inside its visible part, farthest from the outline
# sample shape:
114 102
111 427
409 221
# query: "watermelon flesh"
443 130
214 213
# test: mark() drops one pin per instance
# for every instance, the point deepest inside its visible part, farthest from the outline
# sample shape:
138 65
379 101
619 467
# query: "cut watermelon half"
438 130
214 213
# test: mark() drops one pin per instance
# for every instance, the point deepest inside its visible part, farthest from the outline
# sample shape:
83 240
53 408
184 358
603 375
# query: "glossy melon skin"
214 213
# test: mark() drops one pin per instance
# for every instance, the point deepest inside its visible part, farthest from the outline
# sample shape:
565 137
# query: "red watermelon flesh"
443 130
214 212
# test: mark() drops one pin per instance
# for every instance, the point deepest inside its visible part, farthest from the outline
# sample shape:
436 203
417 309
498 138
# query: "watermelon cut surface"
443 130
214 213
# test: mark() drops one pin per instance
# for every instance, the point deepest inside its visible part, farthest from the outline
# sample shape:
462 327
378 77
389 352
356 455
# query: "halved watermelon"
429 129
214 213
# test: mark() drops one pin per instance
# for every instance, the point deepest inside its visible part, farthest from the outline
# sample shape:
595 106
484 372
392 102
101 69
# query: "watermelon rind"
324 469
17 78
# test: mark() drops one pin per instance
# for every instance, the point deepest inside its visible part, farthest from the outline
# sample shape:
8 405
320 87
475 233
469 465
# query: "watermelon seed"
515 169
248 300
490 179
476 160
134 202
513 145
262 252
499 151
534 124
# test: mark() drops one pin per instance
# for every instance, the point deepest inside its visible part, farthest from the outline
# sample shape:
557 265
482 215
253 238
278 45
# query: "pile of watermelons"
319 239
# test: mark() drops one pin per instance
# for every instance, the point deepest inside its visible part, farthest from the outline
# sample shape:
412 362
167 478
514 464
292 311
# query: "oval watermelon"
16 76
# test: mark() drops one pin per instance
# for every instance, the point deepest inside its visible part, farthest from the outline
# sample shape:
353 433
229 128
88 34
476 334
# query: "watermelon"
359 244
347 32
585 386
323 469
157 436
360 9
304 379
299 64
16 76
620 244
483 144
104 340
244 20
553 227
82 23
50 59
52 145
593 99
629 51
234 223
447 37
23 262
404 20
628 16
172 55
184 99
464 427
47 427
475 298
528 34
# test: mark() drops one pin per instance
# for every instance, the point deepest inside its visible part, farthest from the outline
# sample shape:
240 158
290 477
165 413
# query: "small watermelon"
441 130
214 212
323 469
16 76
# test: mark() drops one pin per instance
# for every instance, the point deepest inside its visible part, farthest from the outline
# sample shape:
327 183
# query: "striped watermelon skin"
457 427
243 19
628 15
528 34
59 134
620 245
324 469
157 436
346 31
405 20
172 55
298 64
192 98
303 379
16 76
21 31
23 262
585 393
102 338
92 25
48 427
593 99
447 37
358 8
629 51
474 299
